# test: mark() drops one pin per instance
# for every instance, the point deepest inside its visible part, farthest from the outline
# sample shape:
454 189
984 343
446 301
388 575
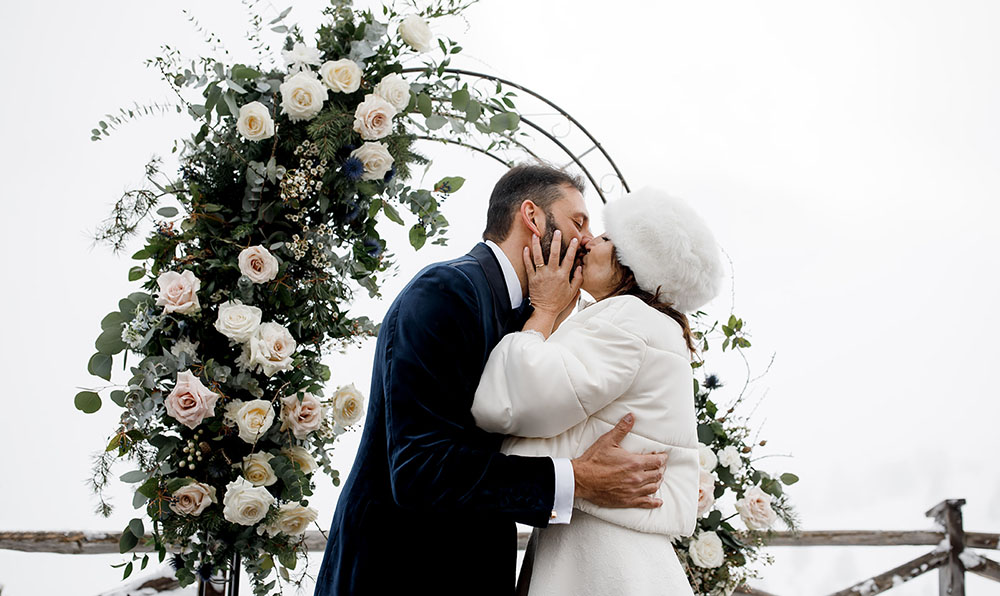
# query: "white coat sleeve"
533 387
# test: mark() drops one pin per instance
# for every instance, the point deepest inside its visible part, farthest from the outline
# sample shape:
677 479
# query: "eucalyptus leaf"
110 342
133 477
118 396
87 402
167 211
705 434
504 121
473 111
127 542
449 185
788 478
391 213
136 527
100 366
114 320
418 236
288 559
424 104
460 99
436 121
231 103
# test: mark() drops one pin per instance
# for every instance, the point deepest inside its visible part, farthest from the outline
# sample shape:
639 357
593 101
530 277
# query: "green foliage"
296 196
87 402
720 430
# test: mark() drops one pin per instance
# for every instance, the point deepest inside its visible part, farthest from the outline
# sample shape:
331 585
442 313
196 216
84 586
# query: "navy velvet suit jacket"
430 504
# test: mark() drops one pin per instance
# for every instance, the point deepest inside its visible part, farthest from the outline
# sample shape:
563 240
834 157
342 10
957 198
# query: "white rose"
302 417
755 509
706 550
348 405
373 118
301 456
394 90
376 159
192 499
730 458
706 458
257 469
706 492
254 122
258 264
252 418
238 321
271 348
293 519
178 292
302 96
244 503
301 56
341 76
416 33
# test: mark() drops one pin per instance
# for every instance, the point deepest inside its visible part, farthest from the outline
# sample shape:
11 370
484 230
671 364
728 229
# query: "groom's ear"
531 215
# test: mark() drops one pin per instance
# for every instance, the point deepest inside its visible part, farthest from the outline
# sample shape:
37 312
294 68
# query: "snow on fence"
951 555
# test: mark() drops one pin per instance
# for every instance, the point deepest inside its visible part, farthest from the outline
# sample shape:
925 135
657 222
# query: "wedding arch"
256 250
598 179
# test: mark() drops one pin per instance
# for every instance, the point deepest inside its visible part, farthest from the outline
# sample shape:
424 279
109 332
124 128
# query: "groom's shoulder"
455 278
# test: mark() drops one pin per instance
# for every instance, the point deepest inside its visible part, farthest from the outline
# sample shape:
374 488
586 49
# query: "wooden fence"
951 555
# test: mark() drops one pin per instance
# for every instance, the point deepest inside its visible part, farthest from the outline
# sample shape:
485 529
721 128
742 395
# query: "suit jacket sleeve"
534 387
438 460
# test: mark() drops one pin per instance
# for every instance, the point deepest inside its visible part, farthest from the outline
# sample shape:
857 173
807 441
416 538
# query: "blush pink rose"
190 402
373 118
302 417
192 499
178 292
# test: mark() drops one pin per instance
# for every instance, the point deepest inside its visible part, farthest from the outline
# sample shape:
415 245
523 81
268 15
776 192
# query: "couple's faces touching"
569 215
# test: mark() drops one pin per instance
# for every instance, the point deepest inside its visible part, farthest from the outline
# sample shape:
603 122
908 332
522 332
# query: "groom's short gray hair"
539 183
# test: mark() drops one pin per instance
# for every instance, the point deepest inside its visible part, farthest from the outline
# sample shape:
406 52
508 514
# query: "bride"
554 388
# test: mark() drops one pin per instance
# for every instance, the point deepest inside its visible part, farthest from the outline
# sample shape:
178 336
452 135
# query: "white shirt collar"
509 275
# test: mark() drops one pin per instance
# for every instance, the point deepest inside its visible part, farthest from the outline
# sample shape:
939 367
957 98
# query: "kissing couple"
491 403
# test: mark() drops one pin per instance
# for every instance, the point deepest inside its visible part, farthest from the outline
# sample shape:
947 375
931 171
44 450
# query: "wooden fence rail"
950 555
102 543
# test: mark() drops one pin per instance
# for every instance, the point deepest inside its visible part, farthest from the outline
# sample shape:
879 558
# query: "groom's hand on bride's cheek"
610 476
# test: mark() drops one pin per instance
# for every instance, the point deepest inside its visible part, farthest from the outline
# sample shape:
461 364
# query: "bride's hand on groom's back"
610 476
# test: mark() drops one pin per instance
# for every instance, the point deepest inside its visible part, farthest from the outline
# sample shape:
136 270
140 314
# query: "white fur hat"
667 245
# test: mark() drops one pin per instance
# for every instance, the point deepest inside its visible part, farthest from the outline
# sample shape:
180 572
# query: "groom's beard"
546 242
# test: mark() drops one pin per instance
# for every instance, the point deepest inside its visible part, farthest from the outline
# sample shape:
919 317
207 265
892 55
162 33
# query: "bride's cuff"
562 507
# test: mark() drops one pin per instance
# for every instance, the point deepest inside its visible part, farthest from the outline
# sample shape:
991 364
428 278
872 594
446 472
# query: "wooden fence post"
951 575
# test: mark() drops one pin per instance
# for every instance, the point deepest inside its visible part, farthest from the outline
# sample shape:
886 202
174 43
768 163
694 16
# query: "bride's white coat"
556 397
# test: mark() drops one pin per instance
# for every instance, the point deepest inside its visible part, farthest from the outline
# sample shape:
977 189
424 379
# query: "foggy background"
845 154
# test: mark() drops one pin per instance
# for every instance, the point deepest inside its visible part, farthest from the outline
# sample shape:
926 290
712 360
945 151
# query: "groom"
430 504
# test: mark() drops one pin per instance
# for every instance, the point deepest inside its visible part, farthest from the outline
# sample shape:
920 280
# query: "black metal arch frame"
577 158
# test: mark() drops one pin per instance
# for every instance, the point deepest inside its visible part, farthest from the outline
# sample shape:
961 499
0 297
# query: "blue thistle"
353 169
390 173
373 247
711 382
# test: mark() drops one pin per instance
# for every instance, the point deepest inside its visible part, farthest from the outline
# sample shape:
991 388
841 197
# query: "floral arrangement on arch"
718 557
247 282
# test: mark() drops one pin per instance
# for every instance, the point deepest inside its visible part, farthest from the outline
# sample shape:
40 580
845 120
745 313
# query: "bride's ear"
530 214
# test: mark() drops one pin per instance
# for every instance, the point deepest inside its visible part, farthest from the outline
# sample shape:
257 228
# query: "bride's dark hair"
627 285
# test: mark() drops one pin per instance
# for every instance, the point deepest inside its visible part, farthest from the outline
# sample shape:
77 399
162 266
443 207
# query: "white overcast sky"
846 154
